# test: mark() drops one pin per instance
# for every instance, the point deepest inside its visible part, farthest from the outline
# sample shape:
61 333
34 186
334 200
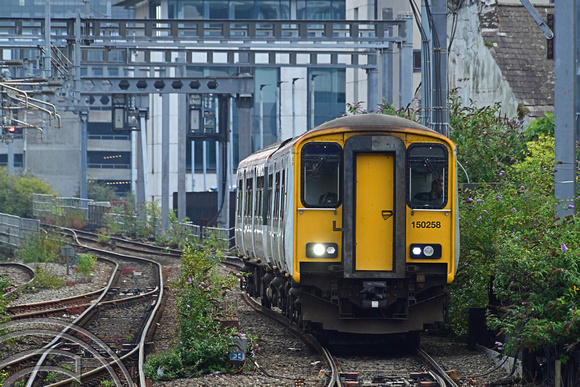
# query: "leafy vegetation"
44 279
203 343
86 263
16 192
42 248
487 143
5 287
517 257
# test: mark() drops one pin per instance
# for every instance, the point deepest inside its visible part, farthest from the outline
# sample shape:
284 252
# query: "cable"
266 373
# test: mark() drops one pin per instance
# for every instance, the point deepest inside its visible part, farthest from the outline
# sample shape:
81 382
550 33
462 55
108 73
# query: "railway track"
107 339
17 273
395 370
392 371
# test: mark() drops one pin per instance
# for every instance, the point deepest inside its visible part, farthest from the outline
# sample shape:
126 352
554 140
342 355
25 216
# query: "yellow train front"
352 226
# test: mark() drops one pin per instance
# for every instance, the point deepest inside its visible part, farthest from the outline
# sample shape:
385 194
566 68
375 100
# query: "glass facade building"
329 86
257 9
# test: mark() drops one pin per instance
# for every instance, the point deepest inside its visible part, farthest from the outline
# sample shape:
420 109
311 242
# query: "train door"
374 207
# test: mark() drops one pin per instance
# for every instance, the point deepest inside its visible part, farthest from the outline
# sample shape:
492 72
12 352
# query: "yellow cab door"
374 207
374 211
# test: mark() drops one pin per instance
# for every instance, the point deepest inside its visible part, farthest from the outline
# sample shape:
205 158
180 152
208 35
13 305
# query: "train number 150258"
426 224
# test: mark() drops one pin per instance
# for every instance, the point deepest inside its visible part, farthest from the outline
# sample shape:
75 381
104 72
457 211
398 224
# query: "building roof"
519 49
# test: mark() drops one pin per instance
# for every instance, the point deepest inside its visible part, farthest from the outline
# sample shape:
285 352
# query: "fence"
13 229
49 207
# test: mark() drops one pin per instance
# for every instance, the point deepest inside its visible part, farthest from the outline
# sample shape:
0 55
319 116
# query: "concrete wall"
472 69
56 158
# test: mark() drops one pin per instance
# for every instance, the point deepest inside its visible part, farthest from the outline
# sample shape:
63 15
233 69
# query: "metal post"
439 33
165 162
10 156
181 153
279 109
261 140
372 89
142 167
204 165
192 165
426 106
294 106
83 183
312 95
386 57
565 104
406 62
244 104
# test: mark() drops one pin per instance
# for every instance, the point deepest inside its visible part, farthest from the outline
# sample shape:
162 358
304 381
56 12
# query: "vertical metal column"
10 156
439 34
565 105
181 153
279 109
294 106
244 104
84 116
223 121
372 88
406 62
387 64
426 70
165 162
142 169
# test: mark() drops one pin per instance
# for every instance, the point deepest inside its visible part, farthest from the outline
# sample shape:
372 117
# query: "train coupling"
374 294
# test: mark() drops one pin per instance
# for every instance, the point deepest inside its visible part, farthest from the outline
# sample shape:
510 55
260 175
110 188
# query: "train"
352 226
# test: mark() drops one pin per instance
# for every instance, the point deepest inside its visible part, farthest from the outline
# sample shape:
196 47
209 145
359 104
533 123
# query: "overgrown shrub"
86 263
43 248
43 279
16 192
203 344
487 142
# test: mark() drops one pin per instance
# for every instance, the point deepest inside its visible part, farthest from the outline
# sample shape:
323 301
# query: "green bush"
86 263
514 248
203 344
43 279
16 192
487 142
43 248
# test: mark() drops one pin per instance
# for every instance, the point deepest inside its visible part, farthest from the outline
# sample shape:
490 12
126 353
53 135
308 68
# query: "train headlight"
321 250
425 250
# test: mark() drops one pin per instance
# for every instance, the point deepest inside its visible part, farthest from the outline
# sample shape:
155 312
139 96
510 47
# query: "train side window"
427 168
259 196
277 196
270 197
321 173
248 209
283 195
240 196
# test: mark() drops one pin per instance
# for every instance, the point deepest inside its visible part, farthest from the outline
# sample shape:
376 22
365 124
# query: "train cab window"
321 170
427 168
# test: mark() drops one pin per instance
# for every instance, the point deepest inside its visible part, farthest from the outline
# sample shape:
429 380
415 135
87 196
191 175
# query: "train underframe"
327 301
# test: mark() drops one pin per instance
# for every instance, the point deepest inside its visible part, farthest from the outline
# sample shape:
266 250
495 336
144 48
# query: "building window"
17 160
109 160
329 94
103 131
416 61
256 9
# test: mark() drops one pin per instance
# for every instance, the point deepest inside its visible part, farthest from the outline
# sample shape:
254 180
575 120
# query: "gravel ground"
77 284
283 359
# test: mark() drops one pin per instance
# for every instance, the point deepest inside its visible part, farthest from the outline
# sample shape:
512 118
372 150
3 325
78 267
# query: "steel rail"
437 368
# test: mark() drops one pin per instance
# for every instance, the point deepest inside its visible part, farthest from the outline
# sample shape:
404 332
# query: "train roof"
357 121
370 120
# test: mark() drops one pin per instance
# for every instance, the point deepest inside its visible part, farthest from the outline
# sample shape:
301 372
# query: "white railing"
14 229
